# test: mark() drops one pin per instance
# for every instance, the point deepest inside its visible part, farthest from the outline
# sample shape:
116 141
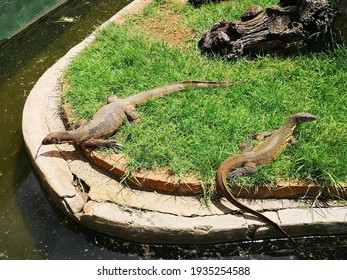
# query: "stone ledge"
162 181
87 194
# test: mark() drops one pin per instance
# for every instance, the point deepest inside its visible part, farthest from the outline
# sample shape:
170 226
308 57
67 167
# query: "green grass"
193 131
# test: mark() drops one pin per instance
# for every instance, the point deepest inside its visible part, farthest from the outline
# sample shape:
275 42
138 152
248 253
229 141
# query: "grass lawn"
195 130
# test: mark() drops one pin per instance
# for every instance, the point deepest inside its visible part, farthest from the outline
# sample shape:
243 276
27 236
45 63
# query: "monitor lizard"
110 117
264 153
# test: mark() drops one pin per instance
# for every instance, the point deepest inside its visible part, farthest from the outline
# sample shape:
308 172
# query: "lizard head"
51 138
303 117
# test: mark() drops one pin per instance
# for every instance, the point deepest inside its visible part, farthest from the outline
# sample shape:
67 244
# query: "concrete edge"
138 224
162 181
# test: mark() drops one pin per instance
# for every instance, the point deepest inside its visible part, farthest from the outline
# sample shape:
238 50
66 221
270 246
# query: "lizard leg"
261 136
112 98
79 124
131 114
246 147
102 143
247 169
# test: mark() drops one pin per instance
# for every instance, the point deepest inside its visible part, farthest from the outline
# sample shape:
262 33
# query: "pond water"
30 228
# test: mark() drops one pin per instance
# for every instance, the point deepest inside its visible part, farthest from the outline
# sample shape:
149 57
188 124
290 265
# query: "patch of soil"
170 28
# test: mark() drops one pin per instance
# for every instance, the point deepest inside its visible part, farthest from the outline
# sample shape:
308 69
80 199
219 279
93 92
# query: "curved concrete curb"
88 195
162 181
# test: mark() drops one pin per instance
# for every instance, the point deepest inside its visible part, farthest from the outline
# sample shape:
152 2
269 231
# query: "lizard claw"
114 145
101 143
234 175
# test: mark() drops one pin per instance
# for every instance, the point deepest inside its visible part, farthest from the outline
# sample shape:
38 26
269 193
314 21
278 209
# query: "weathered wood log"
340 21
285 26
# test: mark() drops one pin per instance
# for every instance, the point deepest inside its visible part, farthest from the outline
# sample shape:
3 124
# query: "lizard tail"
164 90
222 189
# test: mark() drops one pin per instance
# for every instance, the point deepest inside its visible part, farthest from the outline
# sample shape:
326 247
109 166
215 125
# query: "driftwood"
340 21
286 26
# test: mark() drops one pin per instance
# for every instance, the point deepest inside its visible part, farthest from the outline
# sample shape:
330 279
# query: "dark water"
30 228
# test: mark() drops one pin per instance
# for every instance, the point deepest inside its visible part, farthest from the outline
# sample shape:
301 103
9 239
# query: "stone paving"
88 195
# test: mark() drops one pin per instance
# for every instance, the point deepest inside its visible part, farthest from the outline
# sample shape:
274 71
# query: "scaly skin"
111 116
246 162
